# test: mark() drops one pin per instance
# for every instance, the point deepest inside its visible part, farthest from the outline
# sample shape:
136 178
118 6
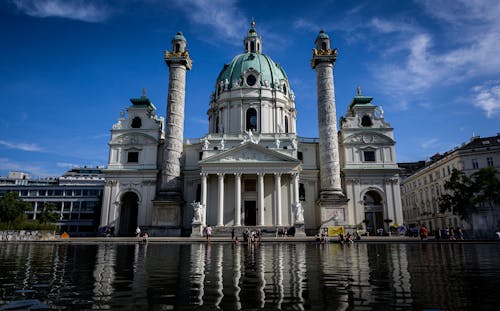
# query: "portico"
249 185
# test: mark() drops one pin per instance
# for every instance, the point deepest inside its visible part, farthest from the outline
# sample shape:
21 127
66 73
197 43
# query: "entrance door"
128 214
250 213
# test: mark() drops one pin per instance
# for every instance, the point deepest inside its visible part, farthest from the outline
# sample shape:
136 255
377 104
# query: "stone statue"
299 213
278 142
197 212
294 143
206 143
380 112
222 144
249 137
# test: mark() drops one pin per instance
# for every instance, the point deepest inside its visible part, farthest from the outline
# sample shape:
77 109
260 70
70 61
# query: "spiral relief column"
169 201
332 200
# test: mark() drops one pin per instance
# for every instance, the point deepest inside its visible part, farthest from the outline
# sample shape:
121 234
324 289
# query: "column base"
333 207
167 212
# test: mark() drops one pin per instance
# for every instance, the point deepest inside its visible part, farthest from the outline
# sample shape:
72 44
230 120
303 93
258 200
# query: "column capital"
261 174
277 174
221 175
238 175
203 174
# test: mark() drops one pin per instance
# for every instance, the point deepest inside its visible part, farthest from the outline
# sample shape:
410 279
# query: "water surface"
288 276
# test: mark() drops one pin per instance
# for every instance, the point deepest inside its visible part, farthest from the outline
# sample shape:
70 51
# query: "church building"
251 169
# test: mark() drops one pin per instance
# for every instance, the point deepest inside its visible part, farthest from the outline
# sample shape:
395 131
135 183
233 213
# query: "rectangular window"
300 156
490 161
369 156
475 165
133 157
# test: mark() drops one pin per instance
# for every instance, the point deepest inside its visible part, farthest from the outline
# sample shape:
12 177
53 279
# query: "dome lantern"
253 43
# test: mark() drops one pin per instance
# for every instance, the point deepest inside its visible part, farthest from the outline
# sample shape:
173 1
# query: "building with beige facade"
420 191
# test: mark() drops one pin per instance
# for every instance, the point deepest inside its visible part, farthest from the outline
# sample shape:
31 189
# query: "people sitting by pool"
341 238
349 238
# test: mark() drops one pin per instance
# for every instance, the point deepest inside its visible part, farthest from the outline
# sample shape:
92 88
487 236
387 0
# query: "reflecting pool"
287 276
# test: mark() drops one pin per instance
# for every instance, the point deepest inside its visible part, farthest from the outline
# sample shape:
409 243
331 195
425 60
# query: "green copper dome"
263 64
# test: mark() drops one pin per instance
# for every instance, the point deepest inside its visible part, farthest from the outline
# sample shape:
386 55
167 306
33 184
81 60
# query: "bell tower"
168 203
332 199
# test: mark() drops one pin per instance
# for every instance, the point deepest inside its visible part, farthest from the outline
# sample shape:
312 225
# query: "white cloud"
200 121
72 9
35 170
462 44
487 97
432 143
222 17
66 165
20 146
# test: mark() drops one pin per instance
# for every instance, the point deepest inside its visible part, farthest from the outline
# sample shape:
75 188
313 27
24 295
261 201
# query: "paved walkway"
187 240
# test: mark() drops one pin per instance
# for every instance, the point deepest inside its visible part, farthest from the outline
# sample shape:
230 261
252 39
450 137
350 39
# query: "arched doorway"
374 211
128 214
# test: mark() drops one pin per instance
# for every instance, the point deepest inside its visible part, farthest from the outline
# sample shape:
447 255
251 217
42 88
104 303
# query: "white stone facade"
251 168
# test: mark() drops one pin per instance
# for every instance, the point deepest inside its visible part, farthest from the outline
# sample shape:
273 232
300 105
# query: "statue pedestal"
300 230
196 230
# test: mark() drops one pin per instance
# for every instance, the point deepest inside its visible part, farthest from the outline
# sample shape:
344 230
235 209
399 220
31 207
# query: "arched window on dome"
284 88
251 120
323 45
216 124
252 46
286 124
177 47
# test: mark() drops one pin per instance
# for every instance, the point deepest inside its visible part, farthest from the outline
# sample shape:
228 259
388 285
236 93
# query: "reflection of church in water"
251 168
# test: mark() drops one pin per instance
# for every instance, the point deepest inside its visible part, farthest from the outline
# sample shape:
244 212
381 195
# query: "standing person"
208 232
423 232
232 234
452 233
460 233
138 232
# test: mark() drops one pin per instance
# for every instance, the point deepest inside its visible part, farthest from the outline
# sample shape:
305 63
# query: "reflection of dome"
261 63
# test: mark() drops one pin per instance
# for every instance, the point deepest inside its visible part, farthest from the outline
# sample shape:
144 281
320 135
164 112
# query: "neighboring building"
421 190
251 168
77 194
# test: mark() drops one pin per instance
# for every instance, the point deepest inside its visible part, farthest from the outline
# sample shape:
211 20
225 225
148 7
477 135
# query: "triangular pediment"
250 153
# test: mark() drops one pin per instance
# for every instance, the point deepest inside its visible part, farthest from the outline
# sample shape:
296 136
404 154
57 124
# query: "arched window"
286 124
177 47
252 46
323 45
284 88
136 123
251 119
366 121
216 125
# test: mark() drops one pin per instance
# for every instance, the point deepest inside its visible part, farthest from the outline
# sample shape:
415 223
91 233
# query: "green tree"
12 208
48 213
466 194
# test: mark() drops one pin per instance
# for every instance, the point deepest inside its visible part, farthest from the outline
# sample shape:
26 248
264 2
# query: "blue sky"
69 67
